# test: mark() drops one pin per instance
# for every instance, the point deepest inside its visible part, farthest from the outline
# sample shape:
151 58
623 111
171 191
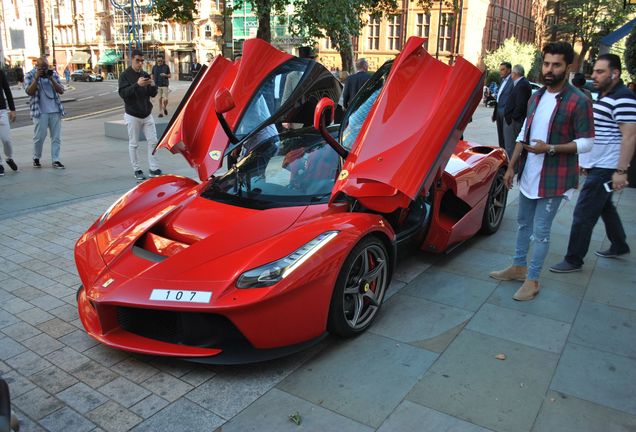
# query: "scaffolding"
138 35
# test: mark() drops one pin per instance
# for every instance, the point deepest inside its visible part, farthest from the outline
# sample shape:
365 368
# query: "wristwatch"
551 150
621 171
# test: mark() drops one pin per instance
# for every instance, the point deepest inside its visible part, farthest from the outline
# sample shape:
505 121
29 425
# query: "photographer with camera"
43 85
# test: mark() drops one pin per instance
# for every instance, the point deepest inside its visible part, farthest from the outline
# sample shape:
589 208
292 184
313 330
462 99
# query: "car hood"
177 237
410 130
195 130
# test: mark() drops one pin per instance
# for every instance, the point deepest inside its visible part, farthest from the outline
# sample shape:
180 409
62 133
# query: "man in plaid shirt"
43 85
560 124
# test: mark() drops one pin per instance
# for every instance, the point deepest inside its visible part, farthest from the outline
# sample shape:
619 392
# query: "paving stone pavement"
428 363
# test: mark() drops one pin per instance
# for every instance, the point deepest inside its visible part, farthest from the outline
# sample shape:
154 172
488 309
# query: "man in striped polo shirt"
615 126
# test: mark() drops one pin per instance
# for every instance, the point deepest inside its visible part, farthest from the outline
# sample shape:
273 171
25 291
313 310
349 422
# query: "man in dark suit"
355 82
505 88
516 108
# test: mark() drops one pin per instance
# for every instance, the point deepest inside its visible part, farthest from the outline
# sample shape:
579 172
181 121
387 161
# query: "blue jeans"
47 122
535 218
594 202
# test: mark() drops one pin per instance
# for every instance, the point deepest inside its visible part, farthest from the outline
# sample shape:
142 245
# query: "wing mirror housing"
324 116
224 102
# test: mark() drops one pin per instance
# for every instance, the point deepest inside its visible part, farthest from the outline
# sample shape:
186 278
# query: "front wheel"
495 204
360 288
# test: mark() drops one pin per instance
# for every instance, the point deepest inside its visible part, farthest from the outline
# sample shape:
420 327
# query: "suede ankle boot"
528 290
511 273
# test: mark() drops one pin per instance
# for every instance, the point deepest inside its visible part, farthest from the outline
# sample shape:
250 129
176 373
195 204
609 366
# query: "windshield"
361 105
294 168
285 100
271 95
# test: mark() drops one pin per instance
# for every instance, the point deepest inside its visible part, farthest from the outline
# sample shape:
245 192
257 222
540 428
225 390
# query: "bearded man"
559 125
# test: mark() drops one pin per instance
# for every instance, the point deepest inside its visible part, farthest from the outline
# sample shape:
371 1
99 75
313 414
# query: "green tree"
630 54
515 52
337 20
181 11
586 21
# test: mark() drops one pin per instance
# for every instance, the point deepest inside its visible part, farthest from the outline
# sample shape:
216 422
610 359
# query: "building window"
328 43
394 32
189 32
207 31
422 26
373 41
445 32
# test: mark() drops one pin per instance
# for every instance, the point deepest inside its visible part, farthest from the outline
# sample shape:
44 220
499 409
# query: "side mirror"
326 110
223 101
325 107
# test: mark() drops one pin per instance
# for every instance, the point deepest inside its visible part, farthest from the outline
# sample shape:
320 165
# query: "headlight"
271 273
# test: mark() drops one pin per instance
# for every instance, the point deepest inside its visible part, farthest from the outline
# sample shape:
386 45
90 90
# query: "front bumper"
199 337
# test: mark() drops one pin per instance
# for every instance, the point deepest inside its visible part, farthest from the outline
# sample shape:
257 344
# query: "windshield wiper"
318 198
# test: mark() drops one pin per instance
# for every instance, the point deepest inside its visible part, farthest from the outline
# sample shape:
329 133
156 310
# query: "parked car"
297 237
534 86
85 75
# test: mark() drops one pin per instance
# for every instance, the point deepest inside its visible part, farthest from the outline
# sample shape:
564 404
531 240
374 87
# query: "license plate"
180 296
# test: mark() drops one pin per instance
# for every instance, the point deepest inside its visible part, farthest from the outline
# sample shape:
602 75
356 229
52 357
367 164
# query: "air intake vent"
183 328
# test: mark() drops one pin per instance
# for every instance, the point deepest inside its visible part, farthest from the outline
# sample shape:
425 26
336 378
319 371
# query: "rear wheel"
496 204
360 288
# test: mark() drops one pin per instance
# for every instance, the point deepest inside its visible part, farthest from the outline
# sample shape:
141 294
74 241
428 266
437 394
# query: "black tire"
495 204
360 288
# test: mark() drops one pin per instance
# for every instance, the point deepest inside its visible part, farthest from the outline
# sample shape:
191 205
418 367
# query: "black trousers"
594 202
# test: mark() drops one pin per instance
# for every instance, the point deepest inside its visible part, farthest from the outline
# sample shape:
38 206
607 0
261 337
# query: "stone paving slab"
512 325
451 289
373 375
276 409
606 328
559 301
469 383
564 413
601 377
417 321
409 416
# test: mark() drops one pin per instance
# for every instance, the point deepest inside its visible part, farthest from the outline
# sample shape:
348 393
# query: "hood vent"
155 247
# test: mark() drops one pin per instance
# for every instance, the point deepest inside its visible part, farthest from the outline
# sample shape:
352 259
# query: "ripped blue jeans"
535 221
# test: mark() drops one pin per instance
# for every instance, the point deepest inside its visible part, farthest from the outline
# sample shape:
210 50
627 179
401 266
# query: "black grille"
183 328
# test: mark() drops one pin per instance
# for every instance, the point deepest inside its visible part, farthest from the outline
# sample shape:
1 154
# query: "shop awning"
80 57
109 57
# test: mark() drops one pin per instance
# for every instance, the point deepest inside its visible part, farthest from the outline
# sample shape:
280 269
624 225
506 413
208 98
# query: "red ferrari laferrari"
293 230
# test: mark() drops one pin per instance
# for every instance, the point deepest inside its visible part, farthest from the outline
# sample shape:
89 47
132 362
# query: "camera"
49 73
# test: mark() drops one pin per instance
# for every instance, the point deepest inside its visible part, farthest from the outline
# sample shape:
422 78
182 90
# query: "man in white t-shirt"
615 129
559 125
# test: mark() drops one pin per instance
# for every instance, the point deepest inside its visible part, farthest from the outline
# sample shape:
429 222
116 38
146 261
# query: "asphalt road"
81 99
